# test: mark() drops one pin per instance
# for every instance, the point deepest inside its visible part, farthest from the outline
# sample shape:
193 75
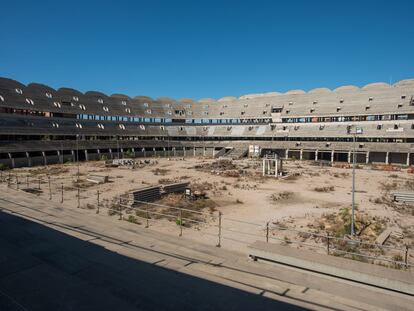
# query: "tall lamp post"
77 153
357 130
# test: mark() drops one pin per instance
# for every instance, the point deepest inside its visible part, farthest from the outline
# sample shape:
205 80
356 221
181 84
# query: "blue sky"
206 48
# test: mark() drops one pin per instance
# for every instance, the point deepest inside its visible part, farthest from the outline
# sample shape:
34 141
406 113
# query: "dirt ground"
312 198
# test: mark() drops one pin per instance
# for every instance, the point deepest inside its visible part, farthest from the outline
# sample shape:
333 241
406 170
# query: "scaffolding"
272 165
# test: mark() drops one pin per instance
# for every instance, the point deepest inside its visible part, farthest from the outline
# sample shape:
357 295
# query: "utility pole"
358 130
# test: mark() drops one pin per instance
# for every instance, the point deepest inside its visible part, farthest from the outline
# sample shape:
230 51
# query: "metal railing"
154 212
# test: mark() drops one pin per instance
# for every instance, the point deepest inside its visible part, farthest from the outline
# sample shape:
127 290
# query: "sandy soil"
247 200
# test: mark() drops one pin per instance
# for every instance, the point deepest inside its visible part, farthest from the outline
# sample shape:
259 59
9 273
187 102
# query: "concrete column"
29 160
143 150
155 152
44 158
287 154
173 149
110 153
301 154
184 153
367 157
214 151
349 156
165 151
194 151
72 152
387 157
316 155
332 156
408 159
86 155
11 160
264 166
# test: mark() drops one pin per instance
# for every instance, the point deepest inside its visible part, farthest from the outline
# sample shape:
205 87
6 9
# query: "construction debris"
98 179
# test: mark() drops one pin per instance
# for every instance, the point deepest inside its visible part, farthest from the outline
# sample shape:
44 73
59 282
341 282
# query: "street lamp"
77 153
358 130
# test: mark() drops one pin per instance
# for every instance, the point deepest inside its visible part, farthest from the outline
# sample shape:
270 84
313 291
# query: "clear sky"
206 48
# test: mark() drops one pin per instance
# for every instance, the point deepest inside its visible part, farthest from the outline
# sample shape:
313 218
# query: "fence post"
97 211
146 209
219 231
50 189
267 232
61 200
181 221
78 196
119 206
17 182
327 242
406 257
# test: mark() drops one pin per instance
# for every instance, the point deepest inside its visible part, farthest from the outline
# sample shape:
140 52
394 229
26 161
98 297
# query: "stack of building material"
148 194
174 188
403 197
98 179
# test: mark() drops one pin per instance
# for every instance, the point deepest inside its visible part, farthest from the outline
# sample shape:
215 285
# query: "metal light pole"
77 154
353 187
358 130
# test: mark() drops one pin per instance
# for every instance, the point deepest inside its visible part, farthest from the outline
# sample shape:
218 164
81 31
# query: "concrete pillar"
72 152
387 157
173 149
194 151
145 154
408 159
367 157
44 158
110 153
184 153
11 160
287 154
332 156
155 152
316 155
301 154
29 160
349 156
165 151
86 155
214 152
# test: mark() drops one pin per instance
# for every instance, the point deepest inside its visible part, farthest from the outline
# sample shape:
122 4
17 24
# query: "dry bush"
160 171
282 196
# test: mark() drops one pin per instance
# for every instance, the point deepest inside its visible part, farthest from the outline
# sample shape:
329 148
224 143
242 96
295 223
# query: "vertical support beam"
204 152
11 160
316 155
174 153
133 151
143 151
332 156
29 160
165 151
349 156
110 153
408 159
194 151
86 155
387 158
264 167
287 154
367 157
301 154
214 151
155 152
73 155
184 152
44 158
122 152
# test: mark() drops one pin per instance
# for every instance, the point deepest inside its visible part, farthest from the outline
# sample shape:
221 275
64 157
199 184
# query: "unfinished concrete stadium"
114 202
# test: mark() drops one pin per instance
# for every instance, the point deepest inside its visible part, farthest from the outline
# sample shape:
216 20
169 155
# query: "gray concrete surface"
73 259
